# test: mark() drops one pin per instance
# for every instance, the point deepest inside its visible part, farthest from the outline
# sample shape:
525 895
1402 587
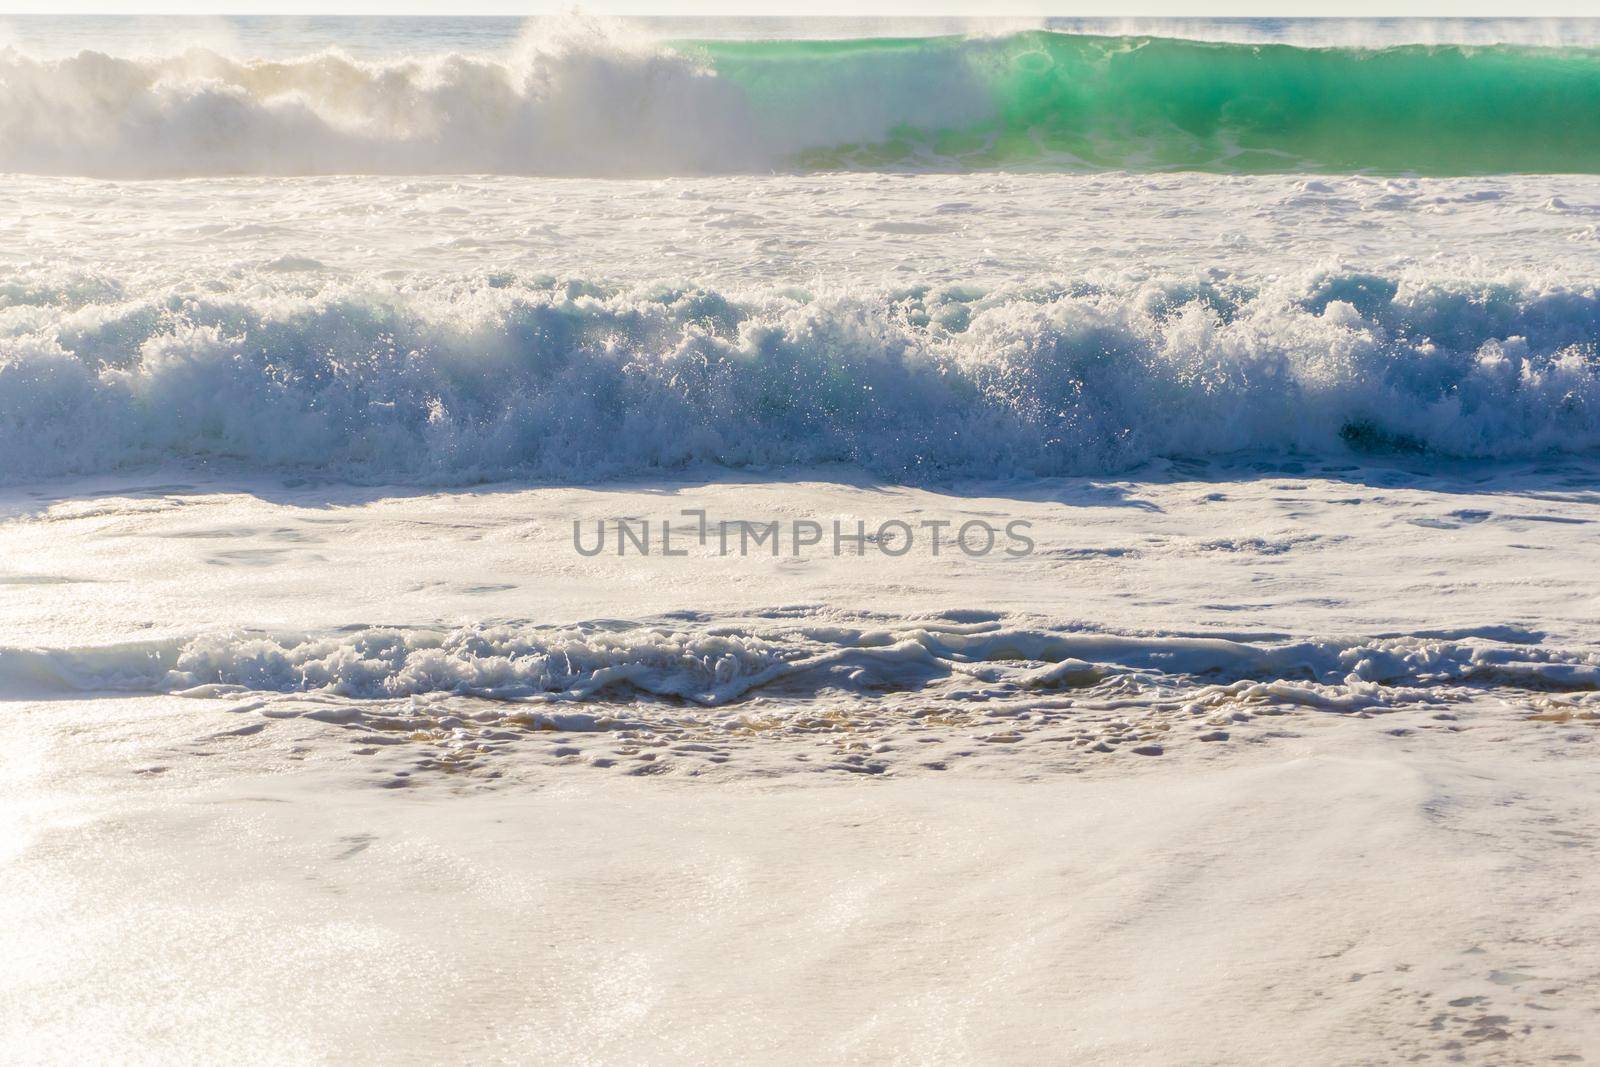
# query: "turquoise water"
153 97
1055 100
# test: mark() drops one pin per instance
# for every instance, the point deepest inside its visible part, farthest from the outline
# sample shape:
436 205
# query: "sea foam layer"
578 97
476 378
719 665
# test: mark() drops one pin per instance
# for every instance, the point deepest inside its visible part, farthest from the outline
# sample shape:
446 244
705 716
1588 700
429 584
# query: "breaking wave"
472 379
585 98
728 663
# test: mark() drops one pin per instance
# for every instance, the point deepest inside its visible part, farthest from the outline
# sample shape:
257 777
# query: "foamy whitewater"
919 328
327 345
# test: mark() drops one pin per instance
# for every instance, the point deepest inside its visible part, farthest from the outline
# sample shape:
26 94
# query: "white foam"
577 96
451 384
714 667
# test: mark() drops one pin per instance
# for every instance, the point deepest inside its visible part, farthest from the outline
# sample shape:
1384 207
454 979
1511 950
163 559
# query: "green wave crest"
1048 101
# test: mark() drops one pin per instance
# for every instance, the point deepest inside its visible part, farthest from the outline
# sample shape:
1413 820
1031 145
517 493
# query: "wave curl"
586 98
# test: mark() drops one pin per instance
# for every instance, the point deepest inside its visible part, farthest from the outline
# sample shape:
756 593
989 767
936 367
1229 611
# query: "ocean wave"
472 379
726 664
579 97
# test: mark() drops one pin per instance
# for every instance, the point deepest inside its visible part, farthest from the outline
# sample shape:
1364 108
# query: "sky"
1068 8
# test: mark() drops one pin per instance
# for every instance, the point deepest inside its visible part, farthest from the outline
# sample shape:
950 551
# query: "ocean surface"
1259 734
320 257
444 251
928 250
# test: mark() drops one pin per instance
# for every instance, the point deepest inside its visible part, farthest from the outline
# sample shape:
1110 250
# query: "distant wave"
583 98
472 379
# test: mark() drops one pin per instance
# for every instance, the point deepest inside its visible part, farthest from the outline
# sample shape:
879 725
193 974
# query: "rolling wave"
621 661
471 379
583 98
